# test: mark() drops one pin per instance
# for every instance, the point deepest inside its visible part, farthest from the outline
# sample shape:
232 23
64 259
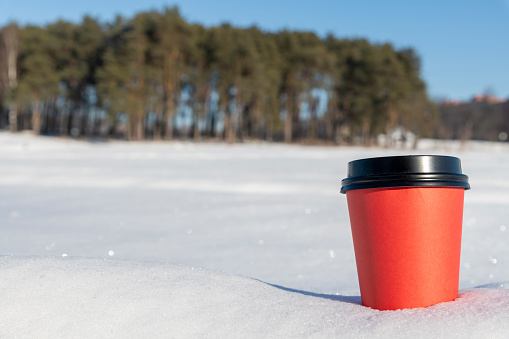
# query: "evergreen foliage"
156 76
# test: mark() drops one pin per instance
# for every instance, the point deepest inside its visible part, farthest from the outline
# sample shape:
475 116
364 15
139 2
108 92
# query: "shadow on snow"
346 299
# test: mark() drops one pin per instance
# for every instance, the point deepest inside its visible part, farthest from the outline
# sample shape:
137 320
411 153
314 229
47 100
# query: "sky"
463 44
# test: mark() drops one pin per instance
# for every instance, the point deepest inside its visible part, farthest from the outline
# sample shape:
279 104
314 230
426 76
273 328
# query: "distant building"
491 99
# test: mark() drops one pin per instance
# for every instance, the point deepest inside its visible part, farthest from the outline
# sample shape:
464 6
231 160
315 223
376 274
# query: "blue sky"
463 44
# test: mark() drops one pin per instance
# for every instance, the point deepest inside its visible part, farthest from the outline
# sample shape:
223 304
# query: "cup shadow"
343 298
501 285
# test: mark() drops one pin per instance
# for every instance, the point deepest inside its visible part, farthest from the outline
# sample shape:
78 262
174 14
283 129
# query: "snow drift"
94 298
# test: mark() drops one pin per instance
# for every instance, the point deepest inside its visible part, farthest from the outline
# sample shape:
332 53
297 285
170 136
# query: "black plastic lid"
405 171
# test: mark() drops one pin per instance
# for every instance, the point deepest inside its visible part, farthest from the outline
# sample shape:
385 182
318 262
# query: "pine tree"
9 50
38 76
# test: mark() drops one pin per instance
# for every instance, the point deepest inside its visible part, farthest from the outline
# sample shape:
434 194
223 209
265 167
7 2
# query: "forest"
156 76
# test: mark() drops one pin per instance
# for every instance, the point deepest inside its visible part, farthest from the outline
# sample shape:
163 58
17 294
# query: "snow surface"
92 298
117 239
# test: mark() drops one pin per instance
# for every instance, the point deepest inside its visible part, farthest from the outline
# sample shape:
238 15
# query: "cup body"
406 216
407 244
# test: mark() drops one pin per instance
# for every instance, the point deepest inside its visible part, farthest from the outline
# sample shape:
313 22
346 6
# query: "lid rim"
366 185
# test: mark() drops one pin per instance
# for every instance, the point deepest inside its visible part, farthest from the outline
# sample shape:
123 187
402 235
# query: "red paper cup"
406 217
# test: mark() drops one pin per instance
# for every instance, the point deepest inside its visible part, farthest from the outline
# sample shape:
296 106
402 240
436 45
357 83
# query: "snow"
96 298
114 239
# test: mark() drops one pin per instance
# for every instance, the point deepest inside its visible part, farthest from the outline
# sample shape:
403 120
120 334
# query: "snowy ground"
181 239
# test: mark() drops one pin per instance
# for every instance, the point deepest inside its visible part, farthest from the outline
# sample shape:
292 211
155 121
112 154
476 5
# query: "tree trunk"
157 131
128 129
13 117
234 117
247 122
139 135
65 117
231 127
51 118
85 116
44 117
212 131
332 127
36 117
288 119
170 94
235 122
196 130
209 119
11 43
168 122
70 120
314 119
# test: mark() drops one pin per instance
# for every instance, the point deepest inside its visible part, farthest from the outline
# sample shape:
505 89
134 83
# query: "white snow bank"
267 211
94 298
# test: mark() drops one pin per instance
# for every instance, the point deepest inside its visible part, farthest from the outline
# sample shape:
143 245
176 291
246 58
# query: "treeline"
157 76
479 119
